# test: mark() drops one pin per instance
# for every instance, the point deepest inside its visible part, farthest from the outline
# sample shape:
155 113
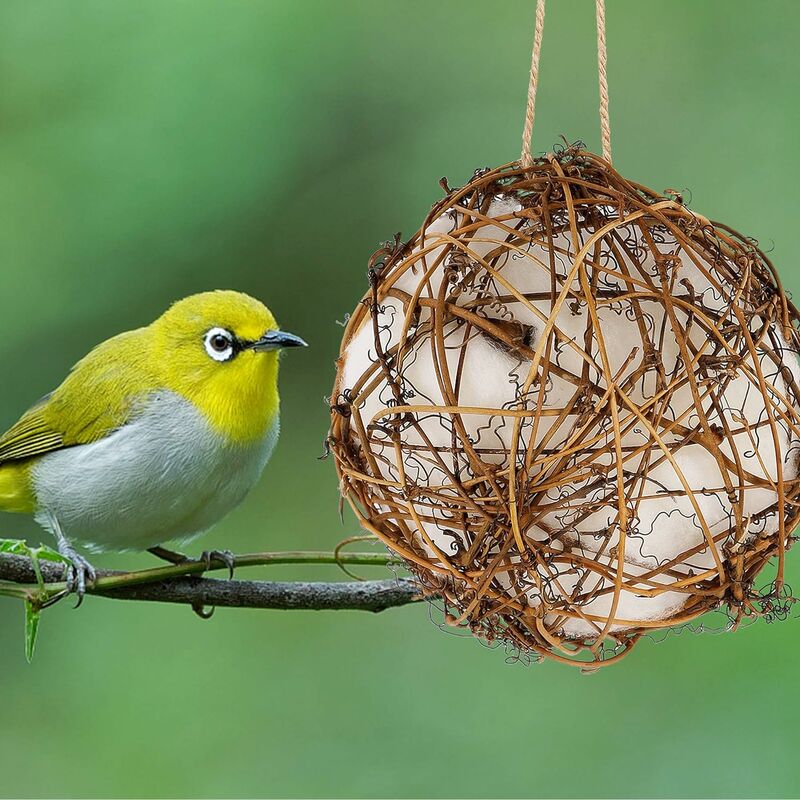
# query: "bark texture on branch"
197 592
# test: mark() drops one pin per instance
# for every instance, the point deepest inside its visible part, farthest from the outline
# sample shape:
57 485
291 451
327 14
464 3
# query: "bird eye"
219 344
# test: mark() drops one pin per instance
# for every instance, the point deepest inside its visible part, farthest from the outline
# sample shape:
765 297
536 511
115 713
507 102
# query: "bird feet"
225 556
207 557
77 571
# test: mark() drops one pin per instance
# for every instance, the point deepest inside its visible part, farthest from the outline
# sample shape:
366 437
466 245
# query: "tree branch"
171 584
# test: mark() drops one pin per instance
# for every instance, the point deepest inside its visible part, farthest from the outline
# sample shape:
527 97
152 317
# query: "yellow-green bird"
155 435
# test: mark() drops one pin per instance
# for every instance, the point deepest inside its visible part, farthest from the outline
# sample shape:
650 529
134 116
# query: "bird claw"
76 573
225 556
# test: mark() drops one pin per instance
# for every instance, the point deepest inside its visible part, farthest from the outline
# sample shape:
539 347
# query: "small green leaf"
32 615
44 553
16 547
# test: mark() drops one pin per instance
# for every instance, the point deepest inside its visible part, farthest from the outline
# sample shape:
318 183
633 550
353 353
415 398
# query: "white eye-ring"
219 344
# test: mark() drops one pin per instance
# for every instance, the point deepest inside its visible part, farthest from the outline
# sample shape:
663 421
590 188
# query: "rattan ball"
570 404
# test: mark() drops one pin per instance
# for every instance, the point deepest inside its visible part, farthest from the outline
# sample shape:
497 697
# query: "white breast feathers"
166 475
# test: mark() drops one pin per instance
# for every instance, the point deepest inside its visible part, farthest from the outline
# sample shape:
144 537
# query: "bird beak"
276 340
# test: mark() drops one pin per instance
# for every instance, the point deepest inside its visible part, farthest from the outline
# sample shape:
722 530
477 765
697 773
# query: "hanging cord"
602 59
526 158
527 132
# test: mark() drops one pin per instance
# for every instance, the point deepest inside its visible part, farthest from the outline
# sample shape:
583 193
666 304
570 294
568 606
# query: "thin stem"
248 560
16 590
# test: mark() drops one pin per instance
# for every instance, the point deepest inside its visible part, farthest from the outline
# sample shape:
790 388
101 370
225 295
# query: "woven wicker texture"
571 405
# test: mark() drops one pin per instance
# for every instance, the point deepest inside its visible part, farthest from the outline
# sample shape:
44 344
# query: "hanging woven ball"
571 405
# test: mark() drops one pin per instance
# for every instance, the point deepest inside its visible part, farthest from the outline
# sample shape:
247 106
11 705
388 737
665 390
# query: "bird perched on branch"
155 435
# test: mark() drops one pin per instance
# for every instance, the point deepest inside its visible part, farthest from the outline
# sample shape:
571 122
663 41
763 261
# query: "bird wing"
99 396
30 436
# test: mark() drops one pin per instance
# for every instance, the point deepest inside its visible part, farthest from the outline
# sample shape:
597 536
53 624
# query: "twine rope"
602 61
533 82
526 159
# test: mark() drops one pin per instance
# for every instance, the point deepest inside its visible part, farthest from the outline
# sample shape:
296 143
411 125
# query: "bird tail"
16 492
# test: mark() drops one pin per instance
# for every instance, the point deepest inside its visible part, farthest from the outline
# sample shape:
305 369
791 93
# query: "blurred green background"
155 148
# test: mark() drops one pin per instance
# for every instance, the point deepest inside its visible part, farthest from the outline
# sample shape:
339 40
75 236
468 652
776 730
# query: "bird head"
220 350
